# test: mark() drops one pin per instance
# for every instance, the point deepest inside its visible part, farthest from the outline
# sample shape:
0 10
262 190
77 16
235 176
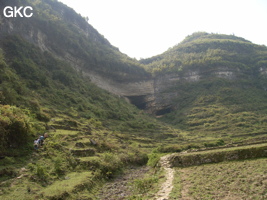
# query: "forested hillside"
58 29
44 60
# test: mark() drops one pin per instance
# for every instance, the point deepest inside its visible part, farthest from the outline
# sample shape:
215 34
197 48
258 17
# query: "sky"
145 28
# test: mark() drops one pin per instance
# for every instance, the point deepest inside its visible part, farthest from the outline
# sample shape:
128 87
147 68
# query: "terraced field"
71 165
233 180
238 173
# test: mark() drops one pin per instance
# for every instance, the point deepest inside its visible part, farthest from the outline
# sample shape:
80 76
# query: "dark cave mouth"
163 111
141 103
138 101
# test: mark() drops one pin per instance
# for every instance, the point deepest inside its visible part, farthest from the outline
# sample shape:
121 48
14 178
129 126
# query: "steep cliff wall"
58 30
165 92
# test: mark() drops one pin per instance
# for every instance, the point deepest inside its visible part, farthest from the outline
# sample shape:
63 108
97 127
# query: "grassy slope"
219 107
49 91
230 180
38 88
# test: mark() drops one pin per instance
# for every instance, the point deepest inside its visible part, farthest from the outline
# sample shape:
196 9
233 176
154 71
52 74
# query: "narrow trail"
166 187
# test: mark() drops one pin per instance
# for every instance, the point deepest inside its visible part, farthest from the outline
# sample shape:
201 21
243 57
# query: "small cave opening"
163 111
138 101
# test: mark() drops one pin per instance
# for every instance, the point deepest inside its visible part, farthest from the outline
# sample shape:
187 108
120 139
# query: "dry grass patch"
228 180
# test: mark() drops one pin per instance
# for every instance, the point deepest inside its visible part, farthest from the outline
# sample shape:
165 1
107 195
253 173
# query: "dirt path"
166 187
120 188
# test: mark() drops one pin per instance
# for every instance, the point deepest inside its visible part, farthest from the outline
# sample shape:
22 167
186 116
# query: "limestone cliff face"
139 93
164 94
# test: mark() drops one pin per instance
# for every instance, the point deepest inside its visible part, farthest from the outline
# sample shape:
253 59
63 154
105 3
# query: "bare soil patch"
120 188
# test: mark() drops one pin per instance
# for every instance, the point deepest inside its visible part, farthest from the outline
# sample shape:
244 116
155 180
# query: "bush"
153 159
215 144
168 149
110 164
143 185
41 173
42 116
59 166
135 158
15 127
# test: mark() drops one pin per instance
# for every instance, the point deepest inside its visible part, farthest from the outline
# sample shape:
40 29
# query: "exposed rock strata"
152 94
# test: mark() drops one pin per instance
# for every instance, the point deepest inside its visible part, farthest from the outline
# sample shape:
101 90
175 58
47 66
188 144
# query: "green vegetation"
49 87
203 51
96 133
64 32
58 170
218 155
16 129
142 186
146 187
238 179
219 108
219 91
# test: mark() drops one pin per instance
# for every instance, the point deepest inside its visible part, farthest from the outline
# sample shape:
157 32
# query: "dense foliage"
16 128
61 31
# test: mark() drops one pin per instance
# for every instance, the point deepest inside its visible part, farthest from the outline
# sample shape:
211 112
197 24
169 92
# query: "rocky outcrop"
126 89
164 92
263 70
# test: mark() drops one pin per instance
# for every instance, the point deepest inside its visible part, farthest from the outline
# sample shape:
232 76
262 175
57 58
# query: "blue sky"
144 28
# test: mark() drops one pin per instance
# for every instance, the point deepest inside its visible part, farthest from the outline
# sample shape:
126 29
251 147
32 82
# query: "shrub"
143 185
215 144
168 149
59 166
42 116
135 158
15 127
109 164
153 159
41 173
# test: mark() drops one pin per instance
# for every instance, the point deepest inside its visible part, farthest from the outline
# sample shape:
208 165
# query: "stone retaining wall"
191 159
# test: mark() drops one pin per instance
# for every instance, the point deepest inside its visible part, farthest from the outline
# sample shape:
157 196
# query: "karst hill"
57 56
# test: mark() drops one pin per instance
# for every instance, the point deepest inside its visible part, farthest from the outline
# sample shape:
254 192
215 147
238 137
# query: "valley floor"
37 177
234 180
231 180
